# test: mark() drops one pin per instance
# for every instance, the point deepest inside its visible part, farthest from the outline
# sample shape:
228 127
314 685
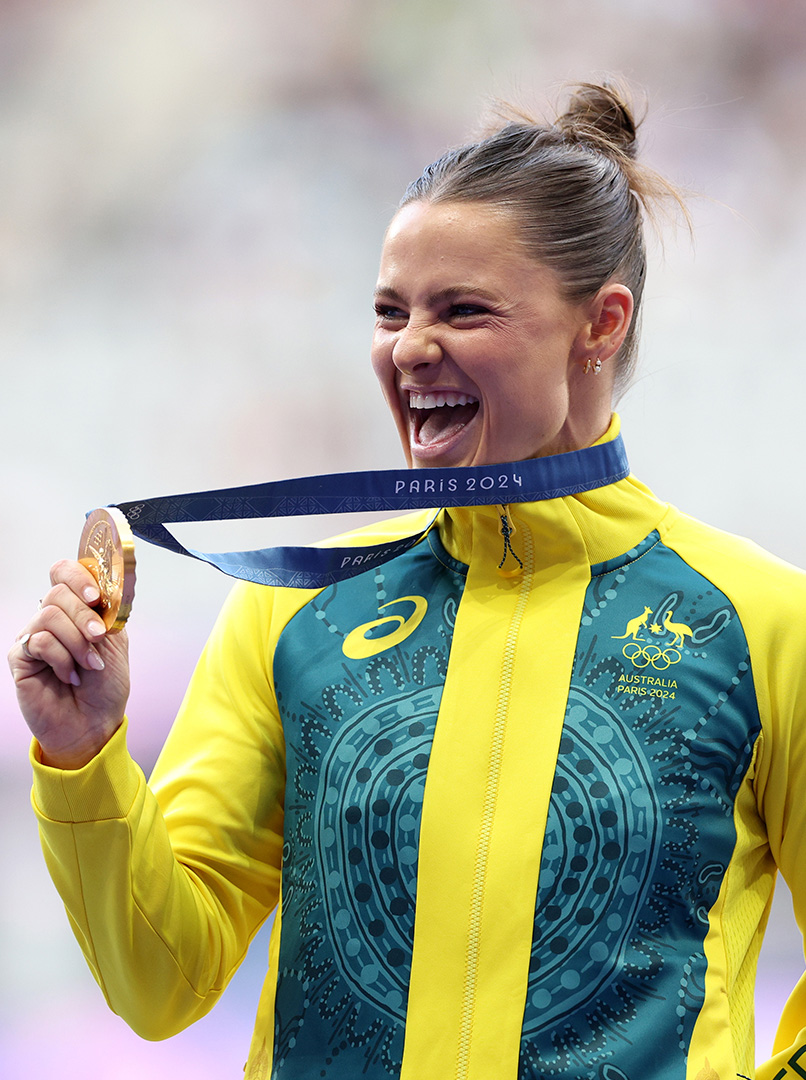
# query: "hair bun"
600 116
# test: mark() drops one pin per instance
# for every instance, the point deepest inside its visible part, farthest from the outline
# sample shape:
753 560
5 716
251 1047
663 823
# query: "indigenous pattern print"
641 815
659 732
358 739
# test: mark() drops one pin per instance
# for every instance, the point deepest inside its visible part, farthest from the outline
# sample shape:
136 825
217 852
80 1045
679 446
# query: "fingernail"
94 661
91 594
96 628
74 678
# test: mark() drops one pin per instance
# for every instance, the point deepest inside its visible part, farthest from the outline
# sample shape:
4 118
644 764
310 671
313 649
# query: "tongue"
436 425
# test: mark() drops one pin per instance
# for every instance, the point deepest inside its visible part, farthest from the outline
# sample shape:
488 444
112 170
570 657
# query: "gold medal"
106 548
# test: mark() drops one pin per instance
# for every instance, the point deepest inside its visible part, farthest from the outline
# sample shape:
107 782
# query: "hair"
575 189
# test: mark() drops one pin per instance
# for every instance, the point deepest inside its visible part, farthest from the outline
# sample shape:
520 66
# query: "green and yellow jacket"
523 821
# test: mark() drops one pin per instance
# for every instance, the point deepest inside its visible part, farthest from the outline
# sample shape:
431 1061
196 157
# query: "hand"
72 678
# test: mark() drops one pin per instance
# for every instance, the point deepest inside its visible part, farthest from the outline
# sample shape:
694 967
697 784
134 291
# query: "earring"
595 367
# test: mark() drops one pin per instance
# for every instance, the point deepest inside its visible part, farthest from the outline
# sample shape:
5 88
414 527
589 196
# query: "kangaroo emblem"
634 625
680 630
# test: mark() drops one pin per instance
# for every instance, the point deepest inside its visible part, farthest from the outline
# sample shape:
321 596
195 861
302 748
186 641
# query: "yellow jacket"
485 875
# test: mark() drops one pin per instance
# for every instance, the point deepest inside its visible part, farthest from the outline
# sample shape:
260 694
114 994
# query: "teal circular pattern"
599 857
368 810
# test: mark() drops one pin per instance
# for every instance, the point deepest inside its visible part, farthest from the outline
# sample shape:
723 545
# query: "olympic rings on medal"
644 655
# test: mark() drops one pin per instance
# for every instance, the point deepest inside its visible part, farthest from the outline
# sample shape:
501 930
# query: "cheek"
380 355
385 371
531 398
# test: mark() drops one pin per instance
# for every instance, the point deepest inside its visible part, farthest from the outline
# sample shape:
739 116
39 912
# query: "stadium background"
192 198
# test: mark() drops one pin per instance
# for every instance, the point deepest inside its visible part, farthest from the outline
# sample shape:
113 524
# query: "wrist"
75 755
105 789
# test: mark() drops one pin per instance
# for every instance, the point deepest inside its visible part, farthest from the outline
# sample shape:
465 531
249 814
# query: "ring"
24 643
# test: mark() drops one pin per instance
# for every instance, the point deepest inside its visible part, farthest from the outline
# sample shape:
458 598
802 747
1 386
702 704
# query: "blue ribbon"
532 480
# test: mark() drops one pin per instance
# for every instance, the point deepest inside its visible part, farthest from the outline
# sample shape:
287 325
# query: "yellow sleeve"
770 599
166 884
780 787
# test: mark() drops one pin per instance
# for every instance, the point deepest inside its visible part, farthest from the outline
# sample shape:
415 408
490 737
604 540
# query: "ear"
610 317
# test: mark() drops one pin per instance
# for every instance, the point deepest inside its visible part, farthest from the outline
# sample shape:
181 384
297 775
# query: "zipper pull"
507 530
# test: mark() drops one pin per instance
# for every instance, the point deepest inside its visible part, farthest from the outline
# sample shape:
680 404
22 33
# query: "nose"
416 345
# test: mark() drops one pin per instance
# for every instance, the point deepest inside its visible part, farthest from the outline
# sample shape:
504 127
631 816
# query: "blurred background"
192 199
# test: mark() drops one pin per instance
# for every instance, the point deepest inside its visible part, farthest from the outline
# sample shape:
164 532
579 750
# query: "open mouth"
440 416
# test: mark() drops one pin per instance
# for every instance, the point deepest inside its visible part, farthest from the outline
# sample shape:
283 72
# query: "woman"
534 831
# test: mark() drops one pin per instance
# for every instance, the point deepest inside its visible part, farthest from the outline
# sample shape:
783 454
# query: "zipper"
491 796
508 530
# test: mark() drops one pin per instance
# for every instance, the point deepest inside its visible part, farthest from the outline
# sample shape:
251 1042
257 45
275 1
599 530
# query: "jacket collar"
597 525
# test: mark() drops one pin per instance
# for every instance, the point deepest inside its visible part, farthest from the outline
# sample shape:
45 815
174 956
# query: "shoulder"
754 579
768 596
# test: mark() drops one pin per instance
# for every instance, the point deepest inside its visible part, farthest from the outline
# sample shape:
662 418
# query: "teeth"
436 401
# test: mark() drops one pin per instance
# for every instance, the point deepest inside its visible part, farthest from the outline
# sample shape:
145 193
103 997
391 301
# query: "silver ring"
24 643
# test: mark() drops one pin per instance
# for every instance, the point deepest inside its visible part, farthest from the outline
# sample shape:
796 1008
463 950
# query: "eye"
388 313
467 311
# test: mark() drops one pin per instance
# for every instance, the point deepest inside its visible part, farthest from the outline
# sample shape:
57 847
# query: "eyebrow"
453 292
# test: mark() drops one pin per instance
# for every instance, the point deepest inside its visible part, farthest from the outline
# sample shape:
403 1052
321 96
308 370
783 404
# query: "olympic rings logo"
644 655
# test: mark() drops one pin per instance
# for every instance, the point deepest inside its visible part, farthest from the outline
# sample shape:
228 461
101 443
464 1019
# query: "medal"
106 548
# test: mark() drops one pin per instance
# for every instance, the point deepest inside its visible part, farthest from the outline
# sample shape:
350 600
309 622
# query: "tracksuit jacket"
522 812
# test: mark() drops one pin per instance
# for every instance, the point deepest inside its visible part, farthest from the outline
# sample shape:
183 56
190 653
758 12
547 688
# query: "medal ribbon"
532 480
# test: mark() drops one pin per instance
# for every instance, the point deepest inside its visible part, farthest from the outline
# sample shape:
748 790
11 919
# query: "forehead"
438 248
451 230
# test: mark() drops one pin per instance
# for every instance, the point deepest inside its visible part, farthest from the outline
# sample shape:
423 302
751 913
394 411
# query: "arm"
166 885
780 779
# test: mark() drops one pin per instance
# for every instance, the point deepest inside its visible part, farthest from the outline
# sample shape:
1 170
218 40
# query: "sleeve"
166 883
780 785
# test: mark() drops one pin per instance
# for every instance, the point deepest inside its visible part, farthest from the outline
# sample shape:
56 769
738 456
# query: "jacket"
522 811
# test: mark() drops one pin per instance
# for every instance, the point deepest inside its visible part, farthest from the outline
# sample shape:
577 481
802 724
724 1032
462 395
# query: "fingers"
32 663
64 632
54 640
76 577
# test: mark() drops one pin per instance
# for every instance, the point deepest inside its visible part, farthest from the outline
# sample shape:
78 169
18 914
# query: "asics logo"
358 645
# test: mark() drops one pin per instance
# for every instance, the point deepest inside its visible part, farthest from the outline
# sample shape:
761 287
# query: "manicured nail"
91 594
74 678
96 628
94 660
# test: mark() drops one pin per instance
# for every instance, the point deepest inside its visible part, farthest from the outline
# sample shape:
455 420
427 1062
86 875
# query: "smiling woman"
523 789
480 355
